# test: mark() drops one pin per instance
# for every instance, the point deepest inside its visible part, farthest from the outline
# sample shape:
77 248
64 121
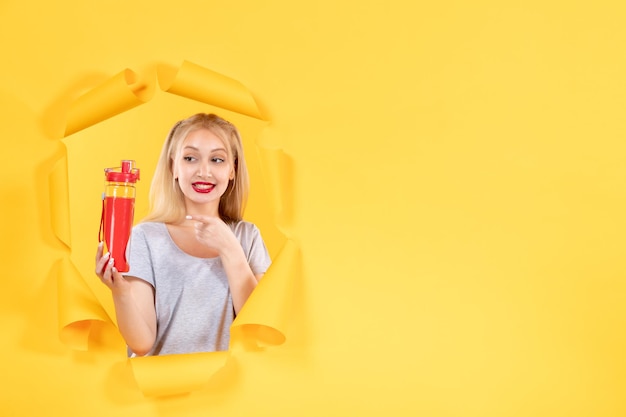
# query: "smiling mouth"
202 187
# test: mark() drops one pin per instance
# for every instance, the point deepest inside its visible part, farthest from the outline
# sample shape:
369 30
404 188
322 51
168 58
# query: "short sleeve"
257 254
139 256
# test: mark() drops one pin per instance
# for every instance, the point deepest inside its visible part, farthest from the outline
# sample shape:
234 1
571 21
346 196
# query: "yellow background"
457 178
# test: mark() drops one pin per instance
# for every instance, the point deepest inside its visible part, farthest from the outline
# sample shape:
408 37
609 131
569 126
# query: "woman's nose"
204 169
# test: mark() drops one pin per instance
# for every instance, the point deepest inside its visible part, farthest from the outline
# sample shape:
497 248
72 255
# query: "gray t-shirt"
194 307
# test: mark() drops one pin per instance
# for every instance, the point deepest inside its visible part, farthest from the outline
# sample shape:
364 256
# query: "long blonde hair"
167 202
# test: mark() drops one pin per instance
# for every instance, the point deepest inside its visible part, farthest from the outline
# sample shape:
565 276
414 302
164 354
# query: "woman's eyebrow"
212 150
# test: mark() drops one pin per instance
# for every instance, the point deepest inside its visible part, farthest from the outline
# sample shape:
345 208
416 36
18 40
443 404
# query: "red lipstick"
203 187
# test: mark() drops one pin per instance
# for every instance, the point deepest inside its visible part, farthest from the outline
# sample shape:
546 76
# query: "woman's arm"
241 279
217 235
134 305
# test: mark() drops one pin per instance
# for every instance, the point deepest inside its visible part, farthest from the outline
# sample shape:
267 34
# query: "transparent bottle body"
119 210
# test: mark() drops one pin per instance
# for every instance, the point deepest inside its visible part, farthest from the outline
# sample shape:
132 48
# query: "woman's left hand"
214 233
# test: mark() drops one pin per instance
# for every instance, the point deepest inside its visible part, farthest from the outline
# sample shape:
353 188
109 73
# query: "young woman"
193 260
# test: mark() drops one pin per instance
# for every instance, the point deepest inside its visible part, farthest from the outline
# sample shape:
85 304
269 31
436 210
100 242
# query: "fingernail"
101 244
106 255
111 260
188 217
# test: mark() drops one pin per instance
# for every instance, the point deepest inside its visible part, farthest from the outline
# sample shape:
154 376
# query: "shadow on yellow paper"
127 117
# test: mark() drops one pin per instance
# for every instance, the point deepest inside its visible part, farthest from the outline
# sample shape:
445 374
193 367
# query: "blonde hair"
167 202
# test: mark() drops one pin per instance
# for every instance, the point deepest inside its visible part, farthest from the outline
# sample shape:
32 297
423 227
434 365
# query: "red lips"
203 187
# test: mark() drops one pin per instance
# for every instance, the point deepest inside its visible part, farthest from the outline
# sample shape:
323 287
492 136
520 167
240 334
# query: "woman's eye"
218 160
188 158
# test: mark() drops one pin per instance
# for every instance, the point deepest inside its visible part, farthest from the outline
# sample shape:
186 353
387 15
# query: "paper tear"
116 95
263 319
78 307
278 173
264 316
59 201
202 84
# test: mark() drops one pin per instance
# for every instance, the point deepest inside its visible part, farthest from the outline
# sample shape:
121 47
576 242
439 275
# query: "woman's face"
203 168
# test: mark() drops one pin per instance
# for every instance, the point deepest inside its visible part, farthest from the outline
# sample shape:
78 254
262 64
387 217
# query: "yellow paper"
167 375
78 307
457 198
264 317
278 173
201 84
59 206
118 94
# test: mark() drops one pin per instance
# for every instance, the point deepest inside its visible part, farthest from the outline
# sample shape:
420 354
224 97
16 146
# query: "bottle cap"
125 173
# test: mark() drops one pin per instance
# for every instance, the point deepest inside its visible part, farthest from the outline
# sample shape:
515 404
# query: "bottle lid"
125 173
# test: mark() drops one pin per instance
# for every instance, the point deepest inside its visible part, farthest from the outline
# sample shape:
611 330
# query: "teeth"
202 186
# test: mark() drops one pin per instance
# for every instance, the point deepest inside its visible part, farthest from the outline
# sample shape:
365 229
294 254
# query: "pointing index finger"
196 217
202 218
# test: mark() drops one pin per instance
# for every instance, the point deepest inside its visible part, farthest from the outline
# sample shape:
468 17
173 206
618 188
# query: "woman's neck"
210 210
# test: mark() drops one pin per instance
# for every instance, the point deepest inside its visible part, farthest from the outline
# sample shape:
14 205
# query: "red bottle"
118 209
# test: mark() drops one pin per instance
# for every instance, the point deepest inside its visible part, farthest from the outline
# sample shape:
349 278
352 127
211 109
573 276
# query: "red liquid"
118 222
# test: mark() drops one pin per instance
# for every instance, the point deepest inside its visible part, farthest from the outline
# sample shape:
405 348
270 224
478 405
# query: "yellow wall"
456 191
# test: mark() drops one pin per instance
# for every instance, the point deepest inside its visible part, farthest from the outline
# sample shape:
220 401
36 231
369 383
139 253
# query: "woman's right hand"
134 304
107 272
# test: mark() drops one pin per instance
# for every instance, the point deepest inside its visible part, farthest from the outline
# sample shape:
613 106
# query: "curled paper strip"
202 84
264 316
277 172
59 201
83 300
116 95
78 307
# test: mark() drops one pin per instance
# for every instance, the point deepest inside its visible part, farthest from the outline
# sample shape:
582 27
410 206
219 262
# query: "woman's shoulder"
150 228
244 227
253 245
245 231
